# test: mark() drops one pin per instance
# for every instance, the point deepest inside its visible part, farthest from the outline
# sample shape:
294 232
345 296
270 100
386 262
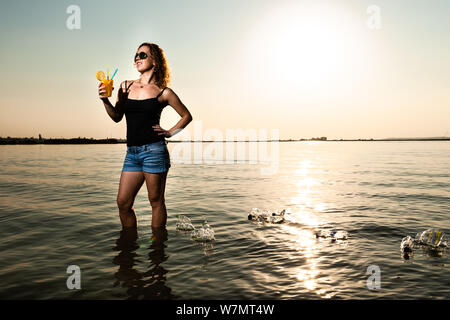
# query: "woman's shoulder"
165 92
126 82
166 89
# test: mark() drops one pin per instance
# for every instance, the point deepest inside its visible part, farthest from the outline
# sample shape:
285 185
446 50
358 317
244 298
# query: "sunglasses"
142 55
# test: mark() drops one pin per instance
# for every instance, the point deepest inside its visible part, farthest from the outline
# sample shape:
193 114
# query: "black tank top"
141 115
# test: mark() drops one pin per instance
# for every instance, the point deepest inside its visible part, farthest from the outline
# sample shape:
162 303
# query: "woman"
147 157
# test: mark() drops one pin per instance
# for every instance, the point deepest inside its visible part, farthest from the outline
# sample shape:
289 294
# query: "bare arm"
115 113
174 101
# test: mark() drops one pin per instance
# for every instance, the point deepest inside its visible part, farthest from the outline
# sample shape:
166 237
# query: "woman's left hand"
161 131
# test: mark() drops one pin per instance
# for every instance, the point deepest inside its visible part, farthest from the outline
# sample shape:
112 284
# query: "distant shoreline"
10 140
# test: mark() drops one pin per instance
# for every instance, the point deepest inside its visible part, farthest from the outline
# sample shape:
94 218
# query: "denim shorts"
153 158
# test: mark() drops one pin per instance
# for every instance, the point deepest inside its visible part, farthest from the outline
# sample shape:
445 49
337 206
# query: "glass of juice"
108 83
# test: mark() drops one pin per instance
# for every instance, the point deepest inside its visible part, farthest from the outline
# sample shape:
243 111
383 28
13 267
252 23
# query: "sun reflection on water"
304 242
304 184
300 231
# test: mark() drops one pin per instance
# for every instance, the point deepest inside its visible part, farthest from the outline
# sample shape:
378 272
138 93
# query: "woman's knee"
156 201
124 203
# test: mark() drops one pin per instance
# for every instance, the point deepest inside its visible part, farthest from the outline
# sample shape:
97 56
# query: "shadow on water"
150 284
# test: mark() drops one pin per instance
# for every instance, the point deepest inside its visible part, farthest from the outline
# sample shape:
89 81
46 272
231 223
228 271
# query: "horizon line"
120 140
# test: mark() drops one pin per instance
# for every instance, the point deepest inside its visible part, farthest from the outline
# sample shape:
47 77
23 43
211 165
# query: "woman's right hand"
101 90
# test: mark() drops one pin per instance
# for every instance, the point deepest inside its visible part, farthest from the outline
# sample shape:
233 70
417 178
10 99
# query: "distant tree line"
40 140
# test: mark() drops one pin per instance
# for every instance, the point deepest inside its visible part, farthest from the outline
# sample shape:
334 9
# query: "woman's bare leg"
129 186
156 185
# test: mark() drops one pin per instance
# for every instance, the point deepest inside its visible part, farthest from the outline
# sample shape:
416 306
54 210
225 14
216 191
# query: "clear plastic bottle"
278 216
184 223
259 215
432 237
332 234
254 214
407 244
266 216
340 235
322 233
205 233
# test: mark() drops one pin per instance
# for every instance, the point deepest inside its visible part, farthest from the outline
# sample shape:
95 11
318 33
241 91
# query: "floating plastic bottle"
407 244
332 234
254 213
184 223
277 217
266 216
433 241
432 237
205 233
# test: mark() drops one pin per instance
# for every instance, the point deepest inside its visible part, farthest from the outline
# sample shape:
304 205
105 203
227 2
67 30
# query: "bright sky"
307 68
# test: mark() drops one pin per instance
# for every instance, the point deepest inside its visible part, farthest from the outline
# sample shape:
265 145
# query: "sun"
308 49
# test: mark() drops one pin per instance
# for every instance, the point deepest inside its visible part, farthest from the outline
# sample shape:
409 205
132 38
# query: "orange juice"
108 87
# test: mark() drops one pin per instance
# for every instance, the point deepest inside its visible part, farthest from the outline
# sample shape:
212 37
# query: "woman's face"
144 64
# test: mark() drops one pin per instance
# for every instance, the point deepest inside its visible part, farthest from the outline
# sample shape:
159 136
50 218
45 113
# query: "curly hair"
162 71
